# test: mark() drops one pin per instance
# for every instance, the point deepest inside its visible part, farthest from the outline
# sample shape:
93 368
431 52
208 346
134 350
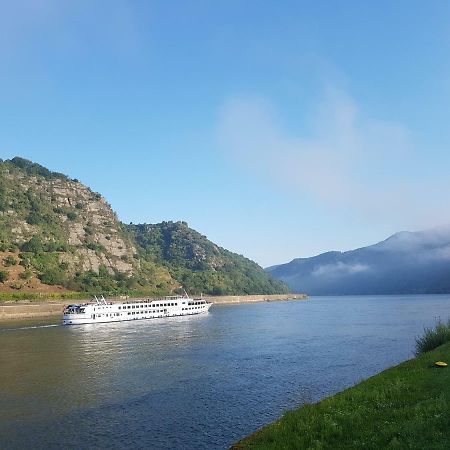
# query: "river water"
195 382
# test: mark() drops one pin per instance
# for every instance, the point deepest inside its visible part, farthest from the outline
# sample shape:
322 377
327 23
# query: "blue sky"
277 129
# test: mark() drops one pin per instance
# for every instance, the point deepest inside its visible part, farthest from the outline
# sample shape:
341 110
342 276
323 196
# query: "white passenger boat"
102 311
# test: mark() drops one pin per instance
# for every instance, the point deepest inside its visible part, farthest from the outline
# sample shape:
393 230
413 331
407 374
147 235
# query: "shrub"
433 337
95 247
9 261
71 215
34 245
53 276
26 274
34 218
4 275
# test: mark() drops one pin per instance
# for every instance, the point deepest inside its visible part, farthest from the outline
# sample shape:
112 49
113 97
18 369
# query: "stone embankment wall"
33 310
229 299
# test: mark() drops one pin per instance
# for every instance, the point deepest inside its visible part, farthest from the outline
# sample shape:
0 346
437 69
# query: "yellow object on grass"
440 364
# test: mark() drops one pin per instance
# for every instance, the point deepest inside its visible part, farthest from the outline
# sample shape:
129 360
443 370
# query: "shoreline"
404 406
50 308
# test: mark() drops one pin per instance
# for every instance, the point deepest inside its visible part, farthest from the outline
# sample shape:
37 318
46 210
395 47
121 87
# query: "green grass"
407 406
51 296
433 337
41 297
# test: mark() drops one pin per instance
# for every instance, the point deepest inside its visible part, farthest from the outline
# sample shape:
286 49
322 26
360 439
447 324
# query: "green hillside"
57 235
198 264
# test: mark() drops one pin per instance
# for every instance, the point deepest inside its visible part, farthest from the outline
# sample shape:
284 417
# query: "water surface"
195 382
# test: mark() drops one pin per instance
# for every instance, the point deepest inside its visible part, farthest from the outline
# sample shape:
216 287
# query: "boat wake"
30 327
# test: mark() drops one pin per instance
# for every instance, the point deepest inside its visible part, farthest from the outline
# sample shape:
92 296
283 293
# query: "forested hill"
199 264
58 235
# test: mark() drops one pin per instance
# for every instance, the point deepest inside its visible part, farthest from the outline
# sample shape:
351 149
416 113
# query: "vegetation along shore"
406 406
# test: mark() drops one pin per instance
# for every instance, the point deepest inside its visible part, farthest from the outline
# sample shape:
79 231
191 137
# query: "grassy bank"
407 406
68 295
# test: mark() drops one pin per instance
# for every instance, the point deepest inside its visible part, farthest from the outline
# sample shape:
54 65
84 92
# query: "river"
199 382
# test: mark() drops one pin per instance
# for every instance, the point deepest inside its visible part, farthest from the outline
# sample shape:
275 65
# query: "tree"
34 245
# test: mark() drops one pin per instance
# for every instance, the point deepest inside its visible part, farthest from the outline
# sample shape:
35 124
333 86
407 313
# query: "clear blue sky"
278 129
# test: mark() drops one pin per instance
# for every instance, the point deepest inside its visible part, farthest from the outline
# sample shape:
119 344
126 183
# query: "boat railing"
156 299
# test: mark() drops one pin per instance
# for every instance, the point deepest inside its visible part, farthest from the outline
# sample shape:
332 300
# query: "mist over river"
196 382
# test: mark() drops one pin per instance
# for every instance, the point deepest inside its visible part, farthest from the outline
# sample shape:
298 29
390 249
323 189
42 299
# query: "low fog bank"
405 263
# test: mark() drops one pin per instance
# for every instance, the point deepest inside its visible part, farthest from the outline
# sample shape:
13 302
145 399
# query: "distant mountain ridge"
404 263
57 234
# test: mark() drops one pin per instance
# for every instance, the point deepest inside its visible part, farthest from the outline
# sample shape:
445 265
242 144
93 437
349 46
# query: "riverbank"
406 406
48 308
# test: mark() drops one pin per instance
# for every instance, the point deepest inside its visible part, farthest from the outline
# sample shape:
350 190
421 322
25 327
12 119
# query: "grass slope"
407 406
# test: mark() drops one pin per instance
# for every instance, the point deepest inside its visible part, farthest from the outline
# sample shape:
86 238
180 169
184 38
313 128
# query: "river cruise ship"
102 311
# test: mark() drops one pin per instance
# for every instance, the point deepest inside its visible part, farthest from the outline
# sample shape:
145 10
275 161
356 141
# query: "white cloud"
345 161
339 269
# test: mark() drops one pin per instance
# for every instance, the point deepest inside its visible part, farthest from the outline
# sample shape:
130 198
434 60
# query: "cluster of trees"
32 168
199 265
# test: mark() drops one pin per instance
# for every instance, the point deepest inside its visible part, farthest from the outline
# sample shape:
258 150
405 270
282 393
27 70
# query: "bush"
26 274
4 275
433 337
9 261
34 218
34 245
53 276
71 215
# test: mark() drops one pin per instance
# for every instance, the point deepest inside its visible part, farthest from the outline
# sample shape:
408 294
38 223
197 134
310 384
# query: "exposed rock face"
83 219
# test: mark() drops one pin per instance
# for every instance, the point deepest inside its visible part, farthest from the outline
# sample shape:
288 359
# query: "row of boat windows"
146 306
143 312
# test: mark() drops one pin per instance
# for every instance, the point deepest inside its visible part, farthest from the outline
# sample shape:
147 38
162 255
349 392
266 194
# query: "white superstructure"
103 311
